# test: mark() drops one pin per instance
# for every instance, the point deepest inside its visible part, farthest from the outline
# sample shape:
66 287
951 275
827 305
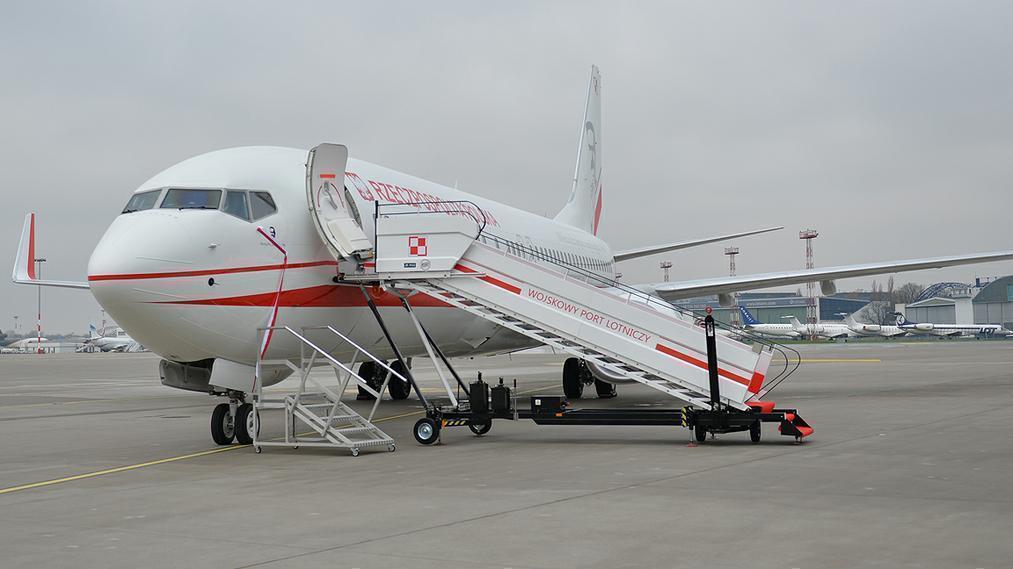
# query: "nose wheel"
223 425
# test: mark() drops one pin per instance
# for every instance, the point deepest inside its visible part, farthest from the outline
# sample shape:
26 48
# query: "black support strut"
393 346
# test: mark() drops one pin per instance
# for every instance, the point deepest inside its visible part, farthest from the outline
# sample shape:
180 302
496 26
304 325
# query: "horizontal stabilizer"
724 285
24 263
654 249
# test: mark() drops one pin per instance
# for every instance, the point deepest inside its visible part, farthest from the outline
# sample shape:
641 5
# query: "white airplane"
25 346
186 272
863 329
949 330
829 330
750 323
120 341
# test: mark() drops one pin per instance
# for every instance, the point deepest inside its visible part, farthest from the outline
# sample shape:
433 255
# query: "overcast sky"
887 126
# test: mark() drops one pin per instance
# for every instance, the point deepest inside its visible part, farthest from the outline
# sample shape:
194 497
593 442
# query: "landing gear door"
331 207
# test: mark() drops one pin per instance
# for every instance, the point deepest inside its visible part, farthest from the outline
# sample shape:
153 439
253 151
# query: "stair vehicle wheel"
355 451
367 371
398 389
604 389
754 432
480 428
426 431
244 424
391 447
223 425
700 433
573 387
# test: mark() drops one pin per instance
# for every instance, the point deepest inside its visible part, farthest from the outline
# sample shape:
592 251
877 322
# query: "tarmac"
910 466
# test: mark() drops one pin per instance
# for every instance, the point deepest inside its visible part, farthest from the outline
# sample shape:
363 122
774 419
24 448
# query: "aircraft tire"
244 424
754 432
573 387
399 390
223 426
367 371
604 389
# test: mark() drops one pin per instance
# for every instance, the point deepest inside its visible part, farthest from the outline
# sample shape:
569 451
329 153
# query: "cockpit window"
263 204
235 204
192 199
143 200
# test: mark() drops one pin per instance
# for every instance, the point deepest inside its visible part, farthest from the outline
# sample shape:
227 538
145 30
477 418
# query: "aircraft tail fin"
583 209
902 320
24 262
747 318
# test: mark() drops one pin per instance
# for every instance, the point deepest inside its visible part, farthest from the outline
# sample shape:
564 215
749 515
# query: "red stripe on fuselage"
207 272
491 280
321 296
700 363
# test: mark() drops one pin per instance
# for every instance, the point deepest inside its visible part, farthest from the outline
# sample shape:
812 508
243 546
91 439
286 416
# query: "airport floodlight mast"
666 266
38 271
732 252
811 312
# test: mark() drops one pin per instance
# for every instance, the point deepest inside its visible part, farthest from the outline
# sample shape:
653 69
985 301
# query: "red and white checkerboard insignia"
417 246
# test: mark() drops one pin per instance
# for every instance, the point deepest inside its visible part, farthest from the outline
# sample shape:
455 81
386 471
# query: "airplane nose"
130 276
142 242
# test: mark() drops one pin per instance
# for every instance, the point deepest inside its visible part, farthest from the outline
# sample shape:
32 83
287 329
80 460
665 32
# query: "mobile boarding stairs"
445 251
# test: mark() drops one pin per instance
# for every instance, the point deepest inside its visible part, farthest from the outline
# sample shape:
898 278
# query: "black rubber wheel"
223 428
244 419
700 433
573 387
754 432
426 431
604 389
398 389
368 371
480 428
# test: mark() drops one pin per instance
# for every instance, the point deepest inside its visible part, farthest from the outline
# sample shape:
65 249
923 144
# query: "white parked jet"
750 323
863 329
185 271
119 341
949 330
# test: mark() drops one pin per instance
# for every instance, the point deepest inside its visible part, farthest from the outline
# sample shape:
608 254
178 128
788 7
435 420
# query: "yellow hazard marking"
130 467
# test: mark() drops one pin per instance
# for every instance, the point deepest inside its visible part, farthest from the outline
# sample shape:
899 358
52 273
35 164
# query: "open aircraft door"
331 207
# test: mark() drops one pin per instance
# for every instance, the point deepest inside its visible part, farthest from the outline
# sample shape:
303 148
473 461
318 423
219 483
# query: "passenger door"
325 193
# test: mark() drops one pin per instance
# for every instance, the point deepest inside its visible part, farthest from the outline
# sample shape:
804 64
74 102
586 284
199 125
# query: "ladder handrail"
360 349
321 351
657 301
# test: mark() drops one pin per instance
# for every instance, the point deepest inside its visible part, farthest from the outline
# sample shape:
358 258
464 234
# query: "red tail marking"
597 210
328 176
31 249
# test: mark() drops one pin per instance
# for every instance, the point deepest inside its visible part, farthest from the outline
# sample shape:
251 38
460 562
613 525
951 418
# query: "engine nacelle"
871 327
924 327
193 376
829 288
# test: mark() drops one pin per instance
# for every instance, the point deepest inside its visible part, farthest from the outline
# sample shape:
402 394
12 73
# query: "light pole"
665 266
38 271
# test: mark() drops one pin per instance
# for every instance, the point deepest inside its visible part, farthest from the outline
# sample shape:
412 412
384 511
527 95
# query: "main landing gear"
576 375
374 375
233 421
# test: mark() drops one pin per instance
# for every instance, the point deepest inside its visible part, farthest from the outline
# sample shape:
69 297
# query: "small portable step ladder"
332 423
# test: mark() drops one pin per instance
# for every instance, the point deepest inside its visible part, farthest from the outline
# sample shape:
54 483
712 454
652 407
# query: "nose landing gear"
233 421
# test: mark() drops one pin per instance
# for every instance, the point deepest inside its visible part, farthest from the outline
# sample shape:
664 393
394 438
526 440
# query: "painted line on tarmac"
219 450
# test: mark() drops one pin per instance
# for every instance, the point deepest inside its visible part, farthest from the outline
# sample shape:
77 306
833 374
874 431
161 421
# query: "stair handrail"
790 365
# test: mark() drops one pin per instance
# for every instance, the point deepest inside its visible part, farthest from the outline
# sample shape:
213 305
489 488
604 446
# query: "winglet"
24 263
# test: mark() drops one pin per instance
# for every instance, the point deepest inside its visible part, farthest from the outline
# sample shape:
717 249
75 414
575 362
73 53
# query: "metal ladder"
332 423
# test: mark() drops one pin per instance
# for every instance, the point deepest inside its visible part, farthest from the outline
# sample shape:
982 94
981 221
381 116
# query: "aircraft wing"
24 264
725 285
652 249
